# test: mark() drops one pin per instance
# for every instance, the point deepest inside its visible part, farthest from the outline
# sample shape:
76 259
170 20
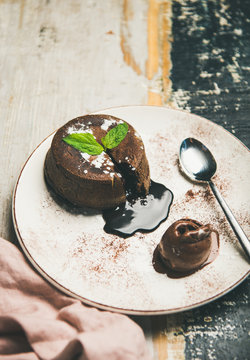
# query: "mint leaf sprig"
115 136
85 142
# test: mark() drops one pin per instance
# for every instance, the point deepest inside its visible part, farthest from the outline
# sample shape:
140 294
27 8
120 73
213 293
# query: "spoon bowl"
196 160
198 164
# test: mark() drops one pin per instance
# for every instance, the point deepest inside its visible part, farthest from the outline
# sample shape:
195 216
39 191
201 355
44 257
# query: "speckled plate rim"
94 303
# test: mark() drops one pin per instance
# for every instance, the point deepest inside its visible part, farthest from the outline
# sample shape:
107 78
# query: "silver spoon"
199 164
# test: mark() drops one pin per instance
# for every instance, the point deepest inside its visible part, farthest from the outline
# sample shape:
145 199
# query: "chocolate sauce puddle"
161 268
143 214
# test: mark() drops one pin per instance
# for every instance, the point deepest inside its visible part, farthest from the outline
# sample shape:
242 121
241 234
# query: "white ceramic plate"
71 250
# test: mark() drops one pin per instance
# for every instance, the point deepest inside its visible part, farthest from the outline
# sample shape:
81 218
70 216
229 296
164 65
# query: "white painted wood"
60 59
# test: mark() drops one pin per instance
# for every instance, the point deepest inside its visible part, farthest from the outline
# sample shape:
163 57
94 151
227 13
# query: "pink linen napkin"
39 322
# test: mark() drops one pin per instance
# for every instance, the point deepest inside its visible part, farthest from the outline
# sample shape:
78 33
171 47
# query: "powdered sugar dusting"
85 156
99 160
103 162
108 122
79 128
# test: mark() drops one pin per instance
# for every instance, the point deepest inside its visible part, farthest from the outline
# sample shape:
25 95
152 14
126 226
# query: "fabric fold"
39 322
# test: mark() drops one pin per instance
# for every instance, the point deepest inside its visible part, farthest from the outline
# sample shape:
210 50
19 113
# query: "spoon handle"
231 219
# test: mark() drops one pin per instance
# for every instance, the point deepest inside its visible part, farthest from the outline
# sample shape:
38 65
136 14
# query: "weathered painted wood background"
63 58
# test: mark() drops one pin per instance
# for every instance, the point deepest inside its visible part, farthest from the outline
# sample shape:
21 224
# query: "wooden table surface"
61 59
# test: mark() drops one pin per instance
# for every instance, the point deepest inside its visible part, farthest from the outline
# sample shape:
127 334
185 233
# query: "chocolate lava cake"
97 181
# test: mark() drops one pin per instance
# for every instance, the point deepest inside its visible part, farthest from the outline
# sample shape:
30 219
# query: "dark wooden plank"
211 61
211 78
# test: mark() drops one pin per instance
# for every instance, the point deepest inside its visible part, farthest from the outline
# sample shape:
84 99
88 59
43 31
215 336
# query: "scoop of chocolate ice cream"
185 245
